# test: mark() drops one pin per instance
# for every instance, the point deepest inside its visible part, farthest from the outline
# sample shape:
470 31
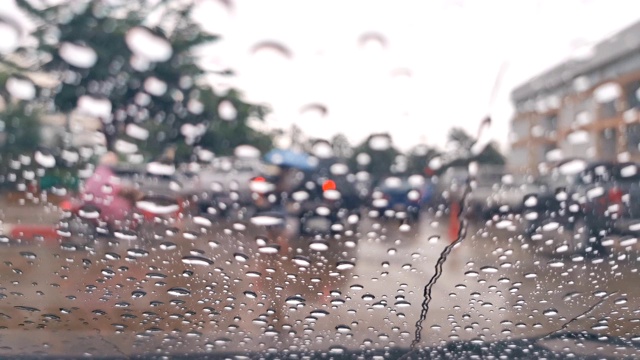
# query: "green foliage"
20 133
103 26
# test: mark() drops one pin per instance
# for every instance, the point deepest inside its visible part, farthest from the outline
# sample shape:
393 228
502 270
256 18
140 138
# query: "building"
581 108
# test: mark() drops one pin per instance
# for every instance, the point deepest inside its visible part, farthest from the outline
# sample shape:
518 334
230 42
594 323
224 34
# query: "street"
226 288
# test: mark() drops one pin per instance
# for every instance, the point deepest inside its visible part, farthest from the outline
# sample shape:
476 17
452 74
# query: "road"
216 289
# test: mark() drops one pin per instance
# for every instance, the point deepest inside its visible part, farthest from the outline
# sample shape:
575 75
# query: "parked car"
399 197
601 199
334 195
499 194
321 198
224 186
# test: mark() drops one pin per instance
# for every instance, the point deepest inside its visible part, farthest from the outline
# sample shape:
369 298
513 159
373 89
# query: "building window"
608 143
608 109
633 94
550 124
633 138
521 129
519 156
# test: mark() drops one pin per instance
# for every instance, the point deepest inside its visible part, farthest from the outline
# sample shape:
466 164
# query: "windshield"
279 179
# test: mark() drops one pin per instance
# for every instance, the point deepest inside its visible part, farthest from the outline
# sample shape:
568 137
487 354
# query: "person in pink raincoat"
105 191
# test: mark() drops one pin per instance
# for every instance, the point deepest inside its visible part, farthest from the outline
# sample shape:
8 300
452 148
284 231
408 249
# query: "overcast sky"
435 68
452 49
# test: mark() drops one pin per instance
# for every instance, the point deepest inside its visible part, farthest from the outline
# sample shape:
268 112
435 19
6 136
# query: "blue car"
401 197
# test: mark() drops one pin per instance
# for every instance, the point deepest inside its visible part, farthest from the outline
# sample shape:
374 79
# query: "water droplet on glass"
137 252
241 257
178 291
138 294
319 313
167 246
301 261
21 88
489 269
368 297
269 249
144 43
196 260
345 265
295 300
227 111
76 55
343 329
319 246
402 303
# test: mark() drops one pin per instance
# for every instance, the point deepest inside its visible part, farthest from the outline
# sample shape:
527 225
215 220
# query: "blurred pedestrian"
104 190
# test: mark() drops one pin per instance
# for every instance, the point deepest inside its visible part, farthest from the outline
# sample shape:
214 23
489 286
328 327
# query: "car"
499 194
321 198
334 194
601 199
399 198
223 187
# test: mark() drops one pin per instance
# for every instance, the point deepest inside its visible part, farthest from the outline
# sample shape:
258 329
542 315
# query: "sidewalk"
26 219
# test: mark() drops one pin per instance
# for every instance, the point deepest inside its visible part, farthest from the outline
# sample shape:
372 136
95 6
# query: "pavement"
216 289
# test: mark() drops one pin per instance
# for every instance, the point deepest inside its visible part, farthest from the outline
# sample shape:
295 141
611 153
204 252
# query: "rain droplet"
227 111
222 341
196 260
343 329
22 89
178 291
108 272
319 246
78 55
368 297
295 300
241 257
28 255
137 252
27 308
301 261
489 269
142 42
269 249
167 246
319 313
138 294
345 265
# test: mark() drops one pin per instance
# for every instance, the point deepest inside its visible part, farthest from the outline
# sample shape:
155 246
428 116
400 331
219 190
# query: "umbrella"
294 159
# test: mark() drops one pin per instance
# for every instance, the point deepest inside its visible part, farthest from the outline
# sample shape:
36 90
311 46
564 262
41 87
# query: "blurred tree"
375 155
341 146
419 157
134 66
459 151
20 131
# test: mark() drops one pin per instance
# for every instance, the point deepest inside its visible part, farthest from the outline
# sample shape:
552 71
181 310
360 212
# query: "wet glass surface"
284 190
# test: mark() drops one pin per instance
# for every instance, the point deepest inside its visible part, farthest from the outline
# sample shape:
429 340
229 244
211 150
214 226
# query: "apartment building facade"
581 108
